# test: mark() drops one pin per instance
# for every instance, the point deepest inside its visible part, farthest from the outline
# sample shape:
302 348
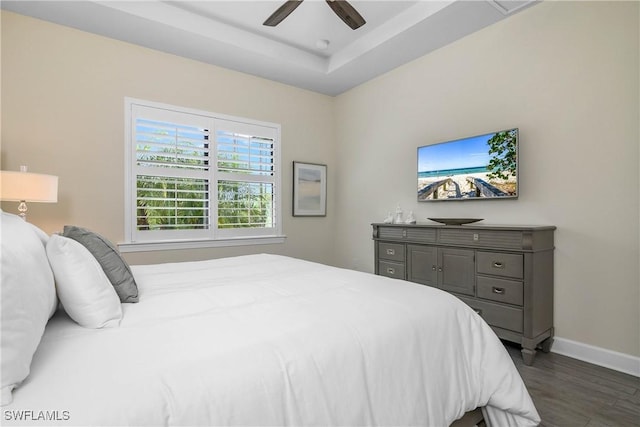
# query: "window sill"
198 244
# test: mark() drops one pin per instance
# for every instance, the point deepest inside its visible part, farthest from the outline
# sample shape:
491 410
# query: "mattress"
272 340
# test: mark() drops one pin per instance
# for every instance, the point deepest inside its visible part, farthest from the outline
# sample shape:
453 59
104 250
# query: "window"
195 178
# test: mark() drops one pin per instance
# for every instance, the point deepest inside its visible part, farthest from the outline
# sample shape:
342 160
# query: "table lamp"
26 187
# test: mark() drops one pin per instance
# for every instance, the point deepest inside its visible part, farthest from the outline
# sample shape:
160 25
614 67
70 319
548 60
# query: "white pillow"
28 298
83 288
44 238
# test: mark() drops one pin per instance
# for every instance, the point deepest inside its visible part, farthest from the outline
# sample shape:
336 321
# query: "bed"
271 340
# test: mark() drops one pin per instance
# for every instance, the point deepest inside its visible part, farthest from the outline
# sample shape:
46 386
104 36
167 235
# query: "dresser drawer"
501 290
500 316
503 239
391 269
391 251
500 264
390 232
421 235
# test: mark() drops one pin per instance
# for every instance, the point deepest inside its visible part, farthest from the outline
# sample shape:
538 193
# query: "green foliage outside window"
182 203
502 147
171 203
244 204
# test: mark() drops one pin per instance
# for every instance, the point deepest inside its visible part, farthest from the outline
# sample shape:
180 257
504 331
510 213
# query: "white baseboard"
597 355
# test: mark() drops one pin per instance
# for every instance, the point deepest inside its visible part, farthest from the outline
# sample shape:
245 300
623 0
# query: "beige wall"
63 113
566 74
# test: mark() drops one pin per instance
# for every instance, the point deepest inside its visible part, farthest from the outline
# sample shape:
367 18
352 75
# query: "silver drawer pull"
477 310
391 251
498 291
391 270
498 264
433 267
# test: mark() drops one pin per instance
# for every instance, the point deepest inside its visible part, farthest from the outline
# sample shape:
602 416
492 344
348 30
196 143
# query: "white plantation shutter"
171 173
197 175
171 145
244 154
246 178
245 204
178 203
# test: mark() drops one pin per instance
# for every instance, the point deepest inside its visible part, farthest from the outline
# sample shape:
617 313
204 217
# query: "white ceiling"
230 33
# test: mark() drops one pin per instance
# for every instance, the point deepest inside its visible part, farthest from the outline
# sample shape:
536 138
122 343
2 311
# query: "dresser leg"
528 355
545 345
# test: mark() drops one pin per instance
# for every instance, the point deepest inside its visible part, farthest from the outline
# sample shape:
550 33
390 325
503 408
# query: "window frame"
136 240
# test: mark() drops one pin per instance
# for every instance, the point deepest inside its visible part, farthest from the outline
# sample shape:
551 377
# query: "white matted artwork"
309 189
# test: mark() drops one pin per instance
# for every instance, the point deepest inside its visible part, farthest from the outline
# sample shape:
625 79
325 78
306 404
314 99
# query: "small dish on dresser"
455 221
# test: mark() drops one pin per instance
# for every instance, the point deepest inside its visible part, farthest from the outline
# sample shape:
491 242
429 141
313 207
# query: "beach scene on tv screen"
483 166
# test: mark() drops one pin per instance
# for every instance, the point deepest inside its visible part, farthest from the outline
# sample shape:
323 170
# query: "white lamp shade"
28 187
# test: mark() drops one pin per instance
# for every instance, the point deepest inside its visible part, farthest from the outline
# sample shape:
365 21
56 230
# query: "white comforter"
269 340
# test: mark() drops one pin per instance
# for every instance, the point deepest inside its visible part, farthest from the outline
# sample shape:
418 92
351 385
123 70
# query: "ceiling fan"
342 8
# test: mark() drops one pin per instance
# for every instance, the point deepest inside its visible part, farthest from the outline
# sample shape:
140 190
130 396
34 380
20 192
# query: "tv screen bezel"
509 197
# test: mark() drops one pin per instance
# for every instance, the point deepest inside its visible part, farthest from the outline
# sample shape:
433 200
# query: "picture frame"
309 189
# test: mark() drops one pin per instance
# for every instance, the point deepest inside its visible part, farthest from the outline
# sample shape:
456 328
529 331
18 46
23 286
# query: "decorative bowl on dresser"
505 273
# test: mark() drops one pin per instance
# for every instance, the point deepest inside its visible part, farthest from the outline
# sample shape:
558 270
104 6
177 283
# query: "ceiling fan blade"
347 13
282 12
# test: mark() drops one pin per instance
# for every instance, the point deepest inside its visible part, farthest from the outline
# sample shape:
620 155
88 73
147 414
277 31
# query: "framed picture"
309 189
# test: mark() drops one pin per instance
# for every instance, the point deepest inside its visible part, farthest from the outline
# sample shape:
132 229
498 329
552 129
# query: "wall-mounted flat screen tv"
480 167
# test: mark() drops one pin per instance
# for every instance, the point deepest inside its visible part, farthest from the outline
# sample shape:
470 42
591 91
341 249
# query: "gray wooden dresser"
505 273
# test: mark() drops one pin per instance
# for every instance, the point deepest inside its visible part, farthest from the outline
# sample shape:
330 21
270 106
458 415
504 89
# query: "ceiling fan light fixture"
341 8
282 12
347 13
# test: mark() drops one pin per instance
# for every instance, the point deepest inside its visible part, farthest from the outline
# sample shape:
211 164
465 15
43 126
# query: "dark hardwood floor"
569 392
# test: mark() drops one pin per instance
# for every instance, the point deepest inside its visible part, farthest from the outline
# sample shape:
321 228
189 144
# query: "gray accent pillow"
109 258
